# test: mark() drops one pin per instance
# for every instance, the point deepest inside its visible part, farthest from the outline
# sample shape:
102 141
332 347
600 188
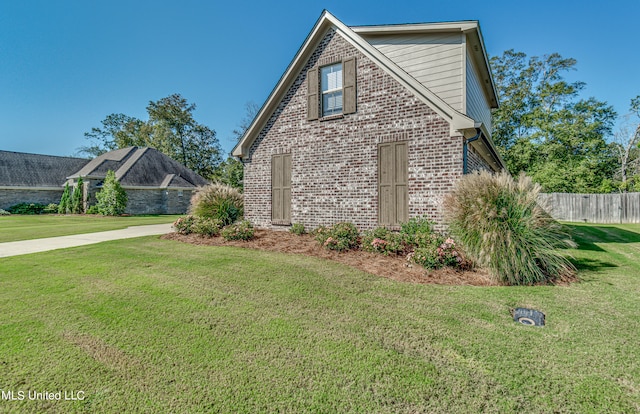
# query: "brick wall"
475 162
12 197
334 162
157 201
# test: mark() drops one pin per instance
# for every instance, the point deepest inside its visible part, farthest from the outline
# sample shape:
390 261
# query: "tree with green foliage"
112 199
544 130
64 207
77 198
230 172
171 129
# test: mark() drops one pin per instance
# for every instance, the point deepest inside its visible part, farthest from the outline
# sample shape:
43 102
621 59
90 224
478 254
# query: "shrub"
64 207
27 208
93 210
51 208
4 212
297 228
112 199
77 206
382 240
218 201
502 227
437 251
416 230
238 231
340 237
206 226
183 225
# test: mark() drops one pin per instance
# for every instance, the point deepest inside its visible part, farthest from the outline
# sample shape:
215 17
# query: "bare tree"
626 142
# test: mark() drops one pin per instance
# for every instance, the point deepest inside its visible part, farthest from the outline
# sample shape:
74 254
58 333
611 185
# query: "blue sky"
65 65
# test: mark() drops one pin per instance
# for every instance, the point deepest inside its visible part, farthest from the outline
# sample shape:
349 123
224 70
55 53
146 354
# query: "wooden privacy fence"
593 208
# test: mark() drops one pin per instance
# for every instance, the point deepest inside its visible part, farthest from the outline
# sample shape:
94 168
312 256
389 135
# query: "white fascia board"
417 27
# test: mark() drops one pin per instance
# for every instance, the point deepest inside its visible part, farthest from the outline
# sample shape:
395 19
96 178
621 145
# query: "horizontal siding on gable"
435 60
477 105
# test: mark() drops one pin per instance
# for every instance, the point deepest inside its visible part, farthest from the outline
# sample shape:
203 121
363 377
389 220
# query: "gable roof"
457 120
141 167
19 169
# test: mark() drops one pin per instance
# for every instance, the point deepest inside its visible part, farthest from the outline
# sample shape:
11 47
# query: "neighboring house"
370 124
34 178
155 183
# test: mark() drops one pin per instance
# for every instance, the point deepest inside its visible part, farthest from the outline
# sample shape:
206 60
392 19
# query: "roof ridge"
130 162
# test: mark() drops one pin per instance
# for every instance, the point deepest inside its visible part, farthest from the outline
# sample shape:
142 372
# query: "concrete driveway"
62 242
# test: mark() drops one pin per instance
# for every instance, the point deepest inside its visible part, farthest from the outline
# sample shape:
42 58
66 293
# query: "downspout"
465 150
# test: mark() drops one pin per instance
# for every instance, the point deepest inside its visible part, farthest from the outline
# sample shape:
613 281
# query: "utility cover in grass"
530 317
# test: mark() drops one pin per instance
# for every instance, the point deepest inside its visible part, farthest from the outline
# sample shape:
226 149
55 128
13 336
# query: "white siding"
435 60
477 105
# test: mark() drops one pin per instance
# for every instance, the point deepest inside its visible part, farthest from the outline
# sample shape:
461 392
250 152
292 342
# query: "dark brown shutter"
313 102
349 85
393 196
281 189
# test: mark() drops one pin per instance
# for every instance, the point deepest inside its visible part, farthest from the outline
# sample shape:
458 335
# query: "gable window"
331 84
331 89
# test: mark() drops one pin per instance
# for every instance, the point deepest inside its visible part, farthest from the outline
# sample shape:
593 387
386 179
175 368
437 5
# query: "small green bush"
416 230
51 208
340 237
77 198
93 210
437 251
238 231
218 201
183 225
207 227
4 212
64 207
382 240
298 229
501 225
112 199
27 208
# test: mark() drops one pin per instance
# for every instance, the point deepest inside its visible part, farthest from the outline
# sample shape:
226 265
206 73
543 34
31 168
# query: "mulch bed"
391 267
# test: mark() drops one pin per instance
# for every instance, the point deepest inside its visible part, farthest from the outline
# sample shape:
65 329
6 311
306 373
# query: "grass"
149 325
27 227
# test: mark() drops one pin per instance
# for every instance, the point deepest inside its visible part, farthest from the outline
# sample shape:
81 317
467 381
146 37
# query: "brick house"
370 124
154 183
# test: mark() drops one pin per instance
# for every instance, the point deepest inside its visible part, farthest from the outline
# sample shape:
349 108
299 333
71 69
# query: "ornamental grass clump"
218 201
502 227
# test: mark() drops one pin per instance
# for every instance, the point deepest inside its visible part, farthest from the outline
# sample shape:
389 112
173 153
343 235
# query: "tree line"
542 128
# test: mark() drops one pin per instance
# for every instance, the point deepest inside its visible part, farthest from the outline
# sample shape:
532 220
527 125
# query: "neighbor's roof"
19 169
141 167
456 119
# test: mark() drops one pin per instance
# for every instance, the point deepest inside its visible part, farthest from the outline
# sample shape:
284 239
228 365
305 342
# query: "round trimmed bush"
502 227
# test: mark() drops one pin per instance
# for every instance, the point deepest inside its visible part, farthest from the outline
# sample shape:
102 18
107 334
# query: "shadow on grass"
588 235
592 265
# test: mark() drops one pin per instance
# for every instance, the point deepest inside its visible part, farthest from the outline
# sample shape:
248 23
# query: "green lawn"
149 325
26 227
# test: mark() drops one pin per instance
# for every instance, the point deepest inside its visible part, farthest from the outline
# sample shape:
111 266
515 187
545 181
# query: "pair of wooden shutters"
393 197
281 189
314 97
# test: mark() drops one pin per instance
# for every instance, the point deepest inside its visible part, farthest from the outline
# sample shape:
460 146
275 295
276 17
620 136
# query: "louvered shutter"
349 85
281 189
393 196
313 102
